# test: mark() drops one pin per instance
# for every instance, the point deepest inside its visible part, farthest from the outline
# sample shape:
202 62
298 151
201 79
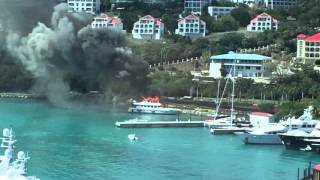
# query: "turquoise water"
76 144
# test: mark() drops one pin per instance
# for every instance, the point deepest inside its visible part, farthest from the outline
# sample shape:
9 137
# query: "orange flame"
154 99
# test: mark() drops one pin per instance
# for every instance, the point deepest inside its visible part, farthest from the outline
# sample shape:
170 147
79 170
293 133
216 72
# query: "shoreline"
21 95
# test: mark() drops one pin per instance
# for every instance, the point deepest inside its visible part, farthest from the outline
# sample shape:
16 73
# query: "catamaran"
151 105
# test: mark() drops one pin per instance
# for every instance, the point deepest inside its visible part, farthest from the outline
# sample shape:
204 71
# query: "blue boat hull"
263 139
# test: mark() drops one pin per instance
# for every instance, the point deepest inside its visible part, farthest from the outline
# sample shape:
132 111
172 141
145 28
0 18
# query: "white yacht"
151 106
264 135
269 134
11 169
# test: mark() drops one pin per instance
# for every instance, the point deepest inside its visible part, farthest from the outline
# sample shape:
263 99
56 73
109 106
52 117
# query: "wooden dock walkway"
159 124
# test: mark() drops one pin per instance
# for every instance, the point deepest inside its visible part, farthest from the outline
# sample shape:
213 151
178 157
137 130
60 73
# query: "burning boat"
151 105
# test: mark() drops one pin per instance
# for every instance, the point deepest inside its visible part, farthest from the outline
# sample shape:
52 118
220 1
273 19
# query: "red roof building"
308 48
263 114
105 21
191 26
260 118
263 22
148 27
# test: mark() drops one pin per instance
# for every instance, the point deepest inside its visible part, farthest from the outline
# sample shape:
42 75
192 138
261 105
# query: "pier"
159 124
217 131
22 95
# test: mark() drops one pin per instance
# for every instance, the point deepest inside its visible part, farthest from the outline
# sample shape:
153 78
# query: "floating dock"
159 124
217 131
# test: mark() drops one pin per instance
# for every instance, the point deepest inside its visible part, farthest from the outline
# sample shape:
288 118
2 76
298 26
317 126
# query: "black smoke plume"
70 56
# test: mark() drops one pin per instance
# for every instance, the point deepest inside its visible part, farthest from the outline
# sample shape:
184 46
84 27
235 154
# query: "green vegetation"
285 94
168 84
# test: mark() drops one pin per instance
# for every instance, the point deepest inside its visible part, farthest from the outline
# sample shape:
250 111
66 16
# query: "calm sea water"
76 144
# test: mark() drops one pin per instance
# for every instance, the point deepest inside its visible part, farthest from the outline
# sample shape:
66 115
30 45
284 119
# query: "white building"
87 6
191 26
195 6
260 119
219 10
308 48
263 22
279 3
247 2
131 1
238 65
105 21
148 27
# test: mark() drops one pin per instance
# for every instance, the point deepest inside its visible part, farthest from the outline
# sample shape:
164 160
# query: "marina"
159 90
78 141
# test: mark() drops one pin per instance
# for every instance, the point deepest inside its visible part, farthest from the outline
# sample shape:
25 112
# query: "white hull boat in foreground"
151 106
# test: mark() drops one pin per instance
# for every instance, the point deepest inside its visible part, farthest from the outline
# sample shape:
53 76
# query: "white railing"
176 62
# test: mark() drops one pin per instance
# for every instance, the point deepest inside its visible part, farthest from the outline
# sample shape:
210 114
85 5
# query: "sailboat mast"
232 94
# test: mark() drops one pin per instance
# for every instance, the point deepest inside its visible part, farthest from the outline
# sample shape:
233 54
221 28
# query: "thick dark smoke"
69 56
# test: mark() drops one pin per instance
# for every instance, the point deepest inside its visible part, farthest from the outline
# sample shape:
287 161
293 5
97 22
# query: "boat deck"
158 124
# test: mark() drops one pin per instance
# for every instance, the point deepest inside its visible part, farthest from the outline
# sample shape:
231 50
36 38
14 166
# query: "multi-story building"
87 6
219 10
263 22
308 48
131 1
271 4
239 65
195 6
148 27
105 21
247 2
191 26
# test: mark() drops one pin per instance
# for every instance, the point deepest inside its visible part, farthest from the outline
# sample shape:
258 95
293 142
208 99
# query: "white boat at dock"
264 135
269 133
151 106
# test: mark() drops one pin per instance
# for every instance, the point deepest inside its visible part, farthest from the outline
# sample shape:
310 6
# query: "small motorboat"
308 148
133 137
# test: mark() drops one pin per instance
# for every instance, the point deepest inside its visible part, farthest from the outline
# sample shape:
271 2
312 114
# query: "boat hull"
152 111
315 146
296 142
261 139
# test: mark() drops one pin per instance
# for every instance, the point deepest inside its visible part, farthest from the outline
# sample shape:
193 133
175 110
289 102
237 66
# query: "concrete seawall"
22 95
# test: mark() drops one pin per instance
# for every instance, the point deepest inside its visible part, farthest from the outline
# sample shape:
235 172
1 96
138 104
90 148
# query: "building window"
258 68
247 67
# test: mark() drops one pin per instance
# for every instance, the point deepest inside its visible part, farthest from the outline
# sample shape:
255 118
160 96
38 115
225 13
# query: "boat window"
304 125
